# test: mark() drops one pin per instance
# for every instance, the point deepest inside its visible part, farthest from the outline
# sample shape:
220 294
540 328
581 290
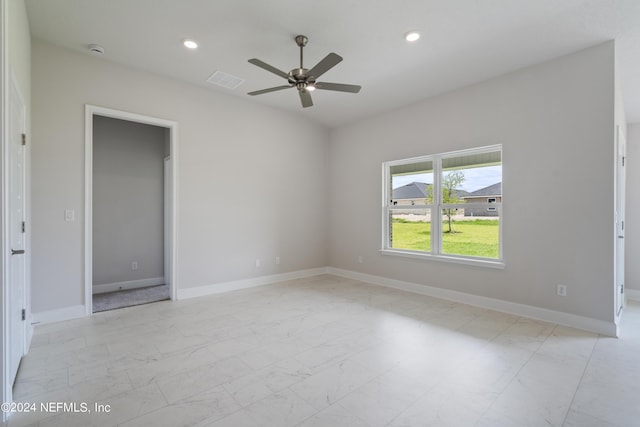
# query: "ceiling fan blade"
271 89
338 86
305 98
265 66
325 65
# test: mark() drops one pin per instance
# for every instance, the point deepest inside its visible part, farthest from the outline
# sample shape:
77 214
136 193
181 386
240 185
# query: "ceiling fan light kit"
304 79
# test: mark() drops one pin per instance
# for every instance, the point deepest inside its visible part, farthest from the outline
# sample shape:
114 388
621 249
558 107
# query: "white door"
620 210
17 264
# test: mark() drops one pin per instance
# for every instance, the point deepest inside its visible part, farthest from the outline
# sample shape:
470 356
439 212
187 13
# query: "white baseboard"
566 319
248 283
131 284
67 313
632 294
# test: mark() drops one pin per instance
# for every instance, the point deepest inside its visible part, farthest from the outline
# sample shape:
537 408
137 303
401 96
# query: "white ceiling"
463 42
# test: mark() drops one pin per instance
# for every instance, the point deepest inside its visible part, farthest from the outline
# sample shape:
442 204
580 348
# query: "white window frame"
436 208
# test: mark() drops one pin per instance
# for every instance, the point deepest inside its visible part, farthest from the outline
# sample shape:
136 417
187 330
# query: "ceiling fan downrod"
302 42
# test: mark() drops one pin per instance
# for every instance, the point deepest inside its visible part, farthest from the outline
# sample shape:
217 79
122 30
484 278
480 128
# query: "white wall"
252 181
128 200
20 50
632 225
556 124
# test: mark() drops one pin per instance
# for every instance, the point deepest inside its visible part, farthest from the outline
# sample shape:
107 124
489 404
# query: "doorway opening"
130 209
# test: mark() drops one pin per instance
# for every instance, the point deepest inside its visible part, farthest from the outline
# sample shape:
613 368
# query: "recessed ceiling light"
412 36
96 49
190 44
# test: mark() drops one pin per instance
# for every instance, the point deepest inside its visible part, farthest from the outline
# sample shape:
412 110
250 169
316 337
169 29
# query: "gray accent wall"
128 200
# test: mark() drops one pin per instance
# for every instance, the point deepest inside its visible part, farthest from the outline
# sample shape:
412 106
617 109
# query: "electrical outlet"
277 260
562 290
360 259
134 265
258 263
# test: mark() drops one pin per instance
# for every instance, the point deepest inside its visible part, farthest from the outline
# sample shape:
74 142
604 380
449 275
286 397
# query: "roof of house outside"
417 190
492 190
414 190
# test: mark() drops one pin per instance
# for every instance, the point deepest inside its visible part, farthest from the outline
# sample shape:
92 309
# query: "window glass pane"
410 183
469 236
410 229
473 178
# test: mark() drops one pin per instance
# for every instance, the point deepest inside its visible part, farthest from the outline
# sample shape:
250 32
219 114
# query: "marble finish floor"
327 351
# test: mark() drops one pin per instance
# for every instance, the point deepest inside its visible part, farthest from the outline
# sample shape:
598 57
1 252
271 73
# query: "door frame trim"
90 112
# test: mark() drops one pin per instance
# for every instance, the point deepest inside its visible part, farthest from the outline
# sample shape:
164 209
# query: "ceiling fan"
303 79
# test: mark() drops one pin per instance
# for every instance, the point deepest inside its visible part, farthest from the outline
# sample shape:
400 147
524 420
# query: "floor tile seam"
375 378
193 370
20 377
164 396
15 417
579 383
271 364
244 408
138 415
336 402
602 422
326 369
32 397
505 387
423 394
540 343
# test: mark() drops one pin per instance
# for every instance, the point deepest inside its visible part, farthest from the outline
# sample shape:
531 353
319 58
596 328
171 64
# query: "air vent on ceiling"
225 80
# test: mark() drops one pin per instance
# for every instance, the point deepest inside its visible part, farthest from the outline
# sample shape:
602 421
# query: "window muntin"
463 189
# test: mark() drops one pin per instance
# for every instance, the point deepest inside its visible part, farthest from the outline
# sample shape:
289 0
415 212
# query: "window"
445 206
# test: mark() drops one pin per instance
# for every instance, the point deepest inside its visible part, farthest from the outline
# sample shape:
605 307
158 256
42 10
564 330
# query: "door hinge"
23 227
623 157
24 139
622 288
24 314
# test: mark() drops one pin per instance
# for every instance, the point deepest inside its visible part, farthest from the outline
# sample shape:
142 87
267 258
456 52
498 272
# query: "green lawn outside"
478 237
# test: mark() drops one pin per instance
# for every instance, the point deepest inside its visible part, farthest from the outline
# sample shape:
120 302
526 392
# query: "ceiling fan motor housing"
299 78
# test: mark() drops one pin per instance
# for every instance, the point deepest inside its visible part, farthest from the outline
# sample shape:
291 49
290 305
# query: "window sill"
480 262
